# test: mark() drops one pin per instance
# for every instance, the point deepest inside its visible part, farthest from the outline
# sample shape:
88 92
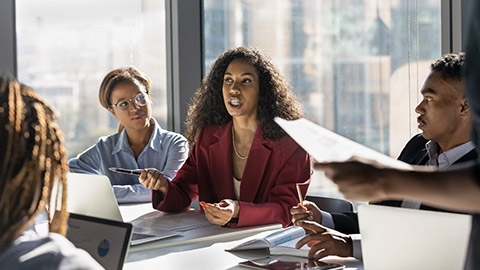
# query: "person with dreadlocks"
32 165
140 141
242 166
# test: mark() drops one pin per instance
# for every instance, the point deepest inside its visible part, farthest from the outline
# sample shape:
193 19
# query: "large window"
357 66
65 48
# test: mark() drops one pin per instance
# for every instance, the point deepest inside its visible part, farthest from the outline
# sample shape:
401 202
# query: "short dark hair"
450 66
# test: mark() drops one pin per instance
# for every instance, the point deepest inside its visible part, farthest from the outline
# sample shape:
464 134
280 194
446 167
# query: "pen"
125 171
300 197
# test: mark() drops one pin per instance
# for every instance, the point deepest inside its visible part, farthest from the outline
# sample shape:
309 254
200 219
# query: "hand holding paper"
358 171
356 180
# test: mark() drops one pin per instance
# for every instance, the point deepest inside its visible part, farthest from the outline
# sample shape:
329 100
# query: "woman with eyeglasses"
140 142
243 167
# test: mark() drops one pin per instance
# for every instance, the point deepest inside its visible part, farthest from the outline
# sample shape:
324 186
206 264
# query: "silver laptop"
107 241
398 238
92 195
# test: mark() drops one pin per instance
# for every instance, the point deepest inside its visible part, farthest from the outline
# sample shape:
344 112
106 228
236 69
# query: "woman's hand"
154 179
306 211
221 213
324 241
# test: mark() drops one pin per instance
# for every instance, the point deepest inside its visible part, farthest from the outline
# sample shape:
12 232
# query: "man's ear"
464 106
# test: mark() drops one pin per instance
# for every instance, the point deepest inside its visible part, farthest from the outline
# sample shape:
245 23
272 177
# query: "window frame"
8 45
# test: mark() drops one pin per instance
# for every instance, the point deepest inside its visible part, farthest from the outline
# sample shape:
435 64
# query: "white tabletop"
196 250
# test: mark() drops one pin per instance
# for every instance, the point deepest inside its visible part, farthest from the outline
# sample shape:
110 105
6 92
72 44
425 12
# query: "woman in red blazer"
242 165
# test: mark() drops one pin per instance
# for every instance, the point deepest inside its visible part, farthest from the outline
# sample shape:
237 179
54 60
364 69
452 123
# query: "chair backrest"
331 204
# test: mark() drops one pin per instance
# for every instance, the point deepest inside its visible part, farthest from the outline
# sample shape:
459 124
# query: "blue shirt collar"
447 158
156 140
154 143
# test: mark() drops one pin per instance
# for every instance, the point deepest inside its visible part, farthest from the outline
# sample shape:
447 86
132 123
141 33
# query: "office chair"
331 204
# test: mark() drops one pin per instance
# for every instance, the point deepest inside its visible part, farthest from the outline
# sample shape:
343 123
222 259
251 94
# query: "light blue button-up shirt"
166 151
446 159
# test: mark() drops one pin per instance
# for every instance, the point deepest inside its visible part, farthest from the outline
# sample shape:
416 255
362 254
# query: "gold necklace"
235 148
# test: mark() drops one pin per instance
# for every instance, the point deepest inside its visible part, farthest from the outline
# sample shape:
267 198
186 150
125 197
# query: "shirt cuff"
233 221
327 220
131 194
357 248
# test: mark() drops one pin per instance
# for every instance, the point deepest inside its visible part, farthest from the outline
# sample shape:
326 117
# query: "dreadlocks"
33 162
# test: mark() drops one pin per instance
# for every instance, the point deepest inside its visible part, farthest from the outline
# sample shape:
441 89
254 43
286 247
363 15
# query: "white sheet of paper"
327 146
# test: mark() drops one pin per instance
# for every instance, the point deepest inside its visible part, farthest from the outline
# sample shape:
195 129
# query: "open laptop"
107 241
92 195
399 238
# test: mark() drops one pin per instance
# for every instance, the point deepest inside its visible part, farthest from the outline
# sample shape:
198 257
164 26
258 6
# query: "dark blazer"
268 188
413 153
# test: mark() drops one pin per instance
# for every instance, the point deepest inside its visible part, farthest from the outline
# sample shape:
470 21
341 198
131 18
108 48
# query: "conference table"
199 245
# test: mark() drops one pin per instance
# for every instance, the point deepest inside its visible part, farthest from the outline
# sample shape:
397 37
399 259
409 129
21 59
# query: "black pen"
125 171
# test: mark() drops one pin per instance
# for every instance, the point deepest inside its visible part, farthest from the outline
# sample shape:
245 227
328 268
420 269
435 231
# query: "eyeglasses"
139 100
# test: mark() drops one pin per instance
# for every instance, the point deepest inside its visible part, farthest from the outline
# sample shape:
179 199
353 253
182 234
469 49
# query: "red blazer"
268 188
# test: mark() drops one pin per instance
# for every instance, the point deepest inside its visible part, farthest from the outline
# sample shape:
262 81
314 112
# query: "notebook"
107 241
92 195
281 242
399 238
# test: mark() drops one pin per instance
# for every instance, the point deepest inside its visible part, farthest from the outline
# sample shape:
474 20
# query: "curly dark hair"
450 66
275 97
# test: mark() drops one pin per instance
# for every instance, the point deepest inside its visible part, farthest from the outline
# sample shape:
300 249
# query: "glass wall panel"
356 65
65 48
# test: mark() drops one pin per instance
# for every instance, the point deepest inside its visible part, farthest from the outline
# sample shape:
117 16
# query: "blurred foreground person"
33 165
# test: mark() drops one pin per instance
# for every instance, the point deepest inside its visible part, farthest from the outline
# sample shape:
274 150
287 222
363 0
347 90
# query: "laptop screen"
397 238
107 241
87 191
